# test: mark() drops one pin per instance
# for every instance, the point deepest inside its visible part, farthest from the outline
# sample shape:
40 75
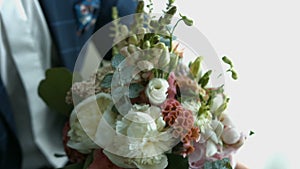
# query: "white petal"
163 164
211 148
117 160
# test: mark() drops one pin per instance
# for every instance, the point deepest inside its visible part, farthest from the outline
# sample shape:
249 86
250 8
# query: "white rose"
84 122
139 122
139 143
157 91
79 139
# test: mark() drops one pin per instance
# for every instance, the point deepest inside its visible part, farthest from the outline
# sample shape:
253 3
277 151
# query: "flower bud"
140 7
173 61
133 40
160 45
164 58
131 48
146 45
187 21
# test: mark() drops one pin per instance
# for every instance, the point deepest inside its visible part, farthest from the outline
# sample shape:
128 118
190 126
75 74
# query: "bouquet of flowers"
146 108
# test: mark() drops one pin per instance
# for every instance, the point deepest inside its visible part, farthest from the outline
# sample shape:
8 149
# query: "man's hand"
240 166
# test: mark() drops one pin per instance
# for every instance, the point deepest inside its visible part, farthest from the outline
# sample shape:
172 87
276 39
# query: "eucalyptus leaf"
88 161
187 21
234 75
116 60
54 87
177 161
227 60
219 164
135 89
233 72
106 82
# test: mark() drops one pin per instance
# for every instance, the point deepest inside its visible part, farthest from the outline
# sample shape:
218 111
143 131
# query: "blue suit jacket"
62 23
10 152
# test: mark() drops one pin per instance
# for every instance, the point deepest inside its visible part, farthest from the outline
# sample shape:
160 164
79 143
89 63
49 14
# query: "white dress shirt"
25 54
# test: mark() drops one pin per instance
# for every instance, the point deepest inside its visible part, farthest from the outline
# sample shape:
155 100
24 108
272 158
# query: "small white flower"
217 102
157 91
164 59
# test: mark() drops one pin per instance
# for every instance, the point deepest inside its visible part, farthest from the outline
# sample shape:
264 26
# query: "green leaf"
73 166
186 20
177 161
116 60
106 82
140 7
205 78
54 87
251 133
233 72
227 60
219 164
135 89
88 160
234 75
195 67
172 11
171 1
222 108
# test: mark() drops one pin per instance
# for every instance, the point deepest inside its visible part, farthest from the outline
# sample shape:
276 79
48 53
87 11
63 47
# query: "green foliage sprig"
231 69
219 164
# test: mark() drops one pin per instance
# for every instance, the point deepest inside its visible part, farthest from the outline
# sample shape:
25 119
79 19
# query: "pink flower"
198 158
171 108
182 121
172 86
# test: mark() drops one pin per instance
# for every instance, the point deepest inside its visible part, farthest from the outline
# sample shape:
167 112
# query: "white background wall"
262 37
